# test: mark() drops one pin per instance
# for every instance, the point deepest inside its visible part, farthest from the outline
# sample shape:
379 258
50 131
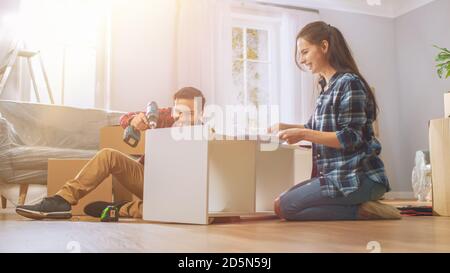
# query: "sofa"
31 133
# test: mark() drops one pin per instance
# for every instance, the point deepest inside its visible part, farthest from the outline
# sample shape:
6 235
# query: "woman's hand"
140 122
293 136
276 128
282 127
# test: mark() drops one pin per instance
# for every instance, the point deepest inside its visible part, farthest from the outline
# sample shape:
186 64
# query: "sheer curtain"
297 96
203 47
204 54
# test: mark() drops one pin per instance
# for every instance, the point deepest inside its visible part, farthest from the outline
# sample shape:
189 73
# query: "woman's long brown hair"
339 55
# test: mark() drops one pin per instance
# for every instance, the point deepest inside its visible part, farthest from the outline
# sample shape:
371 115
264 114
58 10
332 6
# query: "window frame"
245 20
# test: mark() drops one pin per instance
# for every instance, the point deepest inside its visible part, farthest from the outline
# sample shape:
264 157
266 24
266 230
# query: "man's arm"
126 119
165 119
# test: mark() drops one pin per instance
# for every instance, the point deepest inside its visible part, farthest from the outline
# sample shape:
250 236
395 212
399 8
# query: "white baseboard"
399 195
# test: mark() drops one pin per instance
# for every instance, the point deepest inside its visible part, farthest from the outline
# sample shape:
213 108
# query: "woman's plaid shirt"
346 108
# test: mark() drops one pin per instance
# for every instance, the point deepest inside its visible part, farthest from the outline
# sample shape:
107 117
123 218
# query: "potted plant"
443 70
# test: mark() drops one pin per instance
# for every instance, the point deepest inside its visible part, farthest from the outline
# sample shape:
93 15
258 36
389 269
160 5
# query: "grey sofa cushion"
31 133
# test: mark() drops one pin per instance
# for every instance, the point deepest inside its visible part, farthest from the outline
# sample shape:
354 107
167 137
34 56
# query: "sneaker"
54 207
95 209
374 210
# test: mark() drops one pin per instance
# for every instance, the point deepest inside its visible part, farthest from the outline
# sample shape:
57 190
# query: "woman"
348 176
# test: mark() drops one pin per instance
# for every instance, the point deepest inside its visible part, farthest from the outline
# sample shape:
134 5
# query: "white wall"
400 7
397 58
420 89
372 40
142 57
388 8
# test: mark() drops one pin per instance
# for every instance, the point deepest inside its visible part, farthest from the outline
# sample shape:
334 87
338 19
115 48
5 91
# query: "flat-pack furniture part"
191 181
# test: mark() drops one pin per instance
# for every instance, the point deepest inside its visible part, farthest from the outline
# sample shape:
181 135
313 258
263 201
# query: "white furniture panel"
188 181
232 176
176 184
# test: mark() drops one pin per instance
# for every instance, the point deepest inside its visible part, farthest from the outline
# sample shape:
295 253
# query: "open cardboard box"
440 165
62 170
112 137
447 104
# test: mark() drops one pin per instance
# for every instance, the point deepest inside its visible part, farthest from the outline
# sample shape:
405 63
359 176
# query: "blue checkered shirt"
346 108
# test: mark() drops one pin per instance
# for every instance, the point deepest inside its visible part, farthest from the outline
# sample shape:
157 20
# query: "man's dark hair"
190 93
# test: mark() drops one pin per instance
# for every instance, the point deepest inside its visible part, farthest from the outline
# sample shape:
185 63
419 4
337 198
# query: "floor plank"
412 234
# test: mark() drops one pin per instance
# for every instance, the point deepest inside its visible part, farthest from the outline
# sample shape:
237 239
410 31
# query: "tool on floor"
132 136
110 214
411 210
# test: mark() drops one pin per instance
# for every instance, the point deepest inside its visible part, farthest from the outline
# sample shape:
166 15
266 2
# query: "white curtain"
9 10
297 97
204 55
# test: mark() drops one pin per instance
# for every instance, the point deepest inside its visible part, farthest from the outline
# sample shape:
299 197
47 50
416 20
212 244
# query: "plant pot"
447 104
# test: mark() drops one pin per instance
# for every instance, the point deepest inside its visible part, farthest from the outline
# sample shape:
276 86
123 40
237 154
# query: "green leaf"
442 49
440 72
442 57
443 68
447 64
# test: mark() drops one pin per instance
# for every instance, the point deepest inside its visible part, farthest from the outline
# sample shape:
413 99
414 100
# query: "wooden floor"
412 234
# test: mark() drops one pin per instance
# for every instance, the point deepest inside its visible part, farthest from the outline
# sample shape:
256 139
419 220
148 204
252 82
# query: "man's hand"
293 136
140 122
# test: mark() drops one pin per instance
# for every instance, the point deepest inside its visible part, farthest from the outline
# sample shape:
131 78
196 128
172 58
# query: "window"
70 36
250 65
254 61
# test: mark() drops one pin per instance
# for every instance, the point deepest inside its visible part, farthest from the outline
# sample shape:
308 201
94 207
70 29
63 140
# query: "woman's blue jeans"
305 202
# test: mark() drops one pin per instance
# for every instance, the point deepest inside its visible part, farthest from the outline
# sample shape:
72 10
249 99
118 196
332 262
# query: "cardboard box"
112 137
447 104
62 170
439 133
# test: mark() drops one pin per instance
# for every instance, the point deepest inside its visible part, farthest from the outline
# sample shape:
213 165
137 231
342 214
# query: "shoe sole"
380 211
36 215
91 210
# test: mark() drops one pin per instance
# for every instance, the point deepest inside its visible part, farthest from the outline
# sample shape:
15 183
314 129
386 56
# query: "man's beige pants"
128 172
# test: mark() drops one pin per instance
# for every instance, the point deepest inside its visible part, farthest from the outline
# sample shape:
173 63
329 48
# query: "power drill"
132 136
110 214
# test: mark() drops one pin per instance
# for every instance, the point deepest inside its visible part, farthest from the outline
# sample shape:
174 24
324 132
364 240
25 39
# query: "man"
129 172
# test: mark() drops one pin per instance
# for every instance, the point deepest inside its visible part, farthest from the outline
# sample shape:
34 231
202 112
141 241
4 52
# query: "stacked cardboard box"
62 170
112 137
